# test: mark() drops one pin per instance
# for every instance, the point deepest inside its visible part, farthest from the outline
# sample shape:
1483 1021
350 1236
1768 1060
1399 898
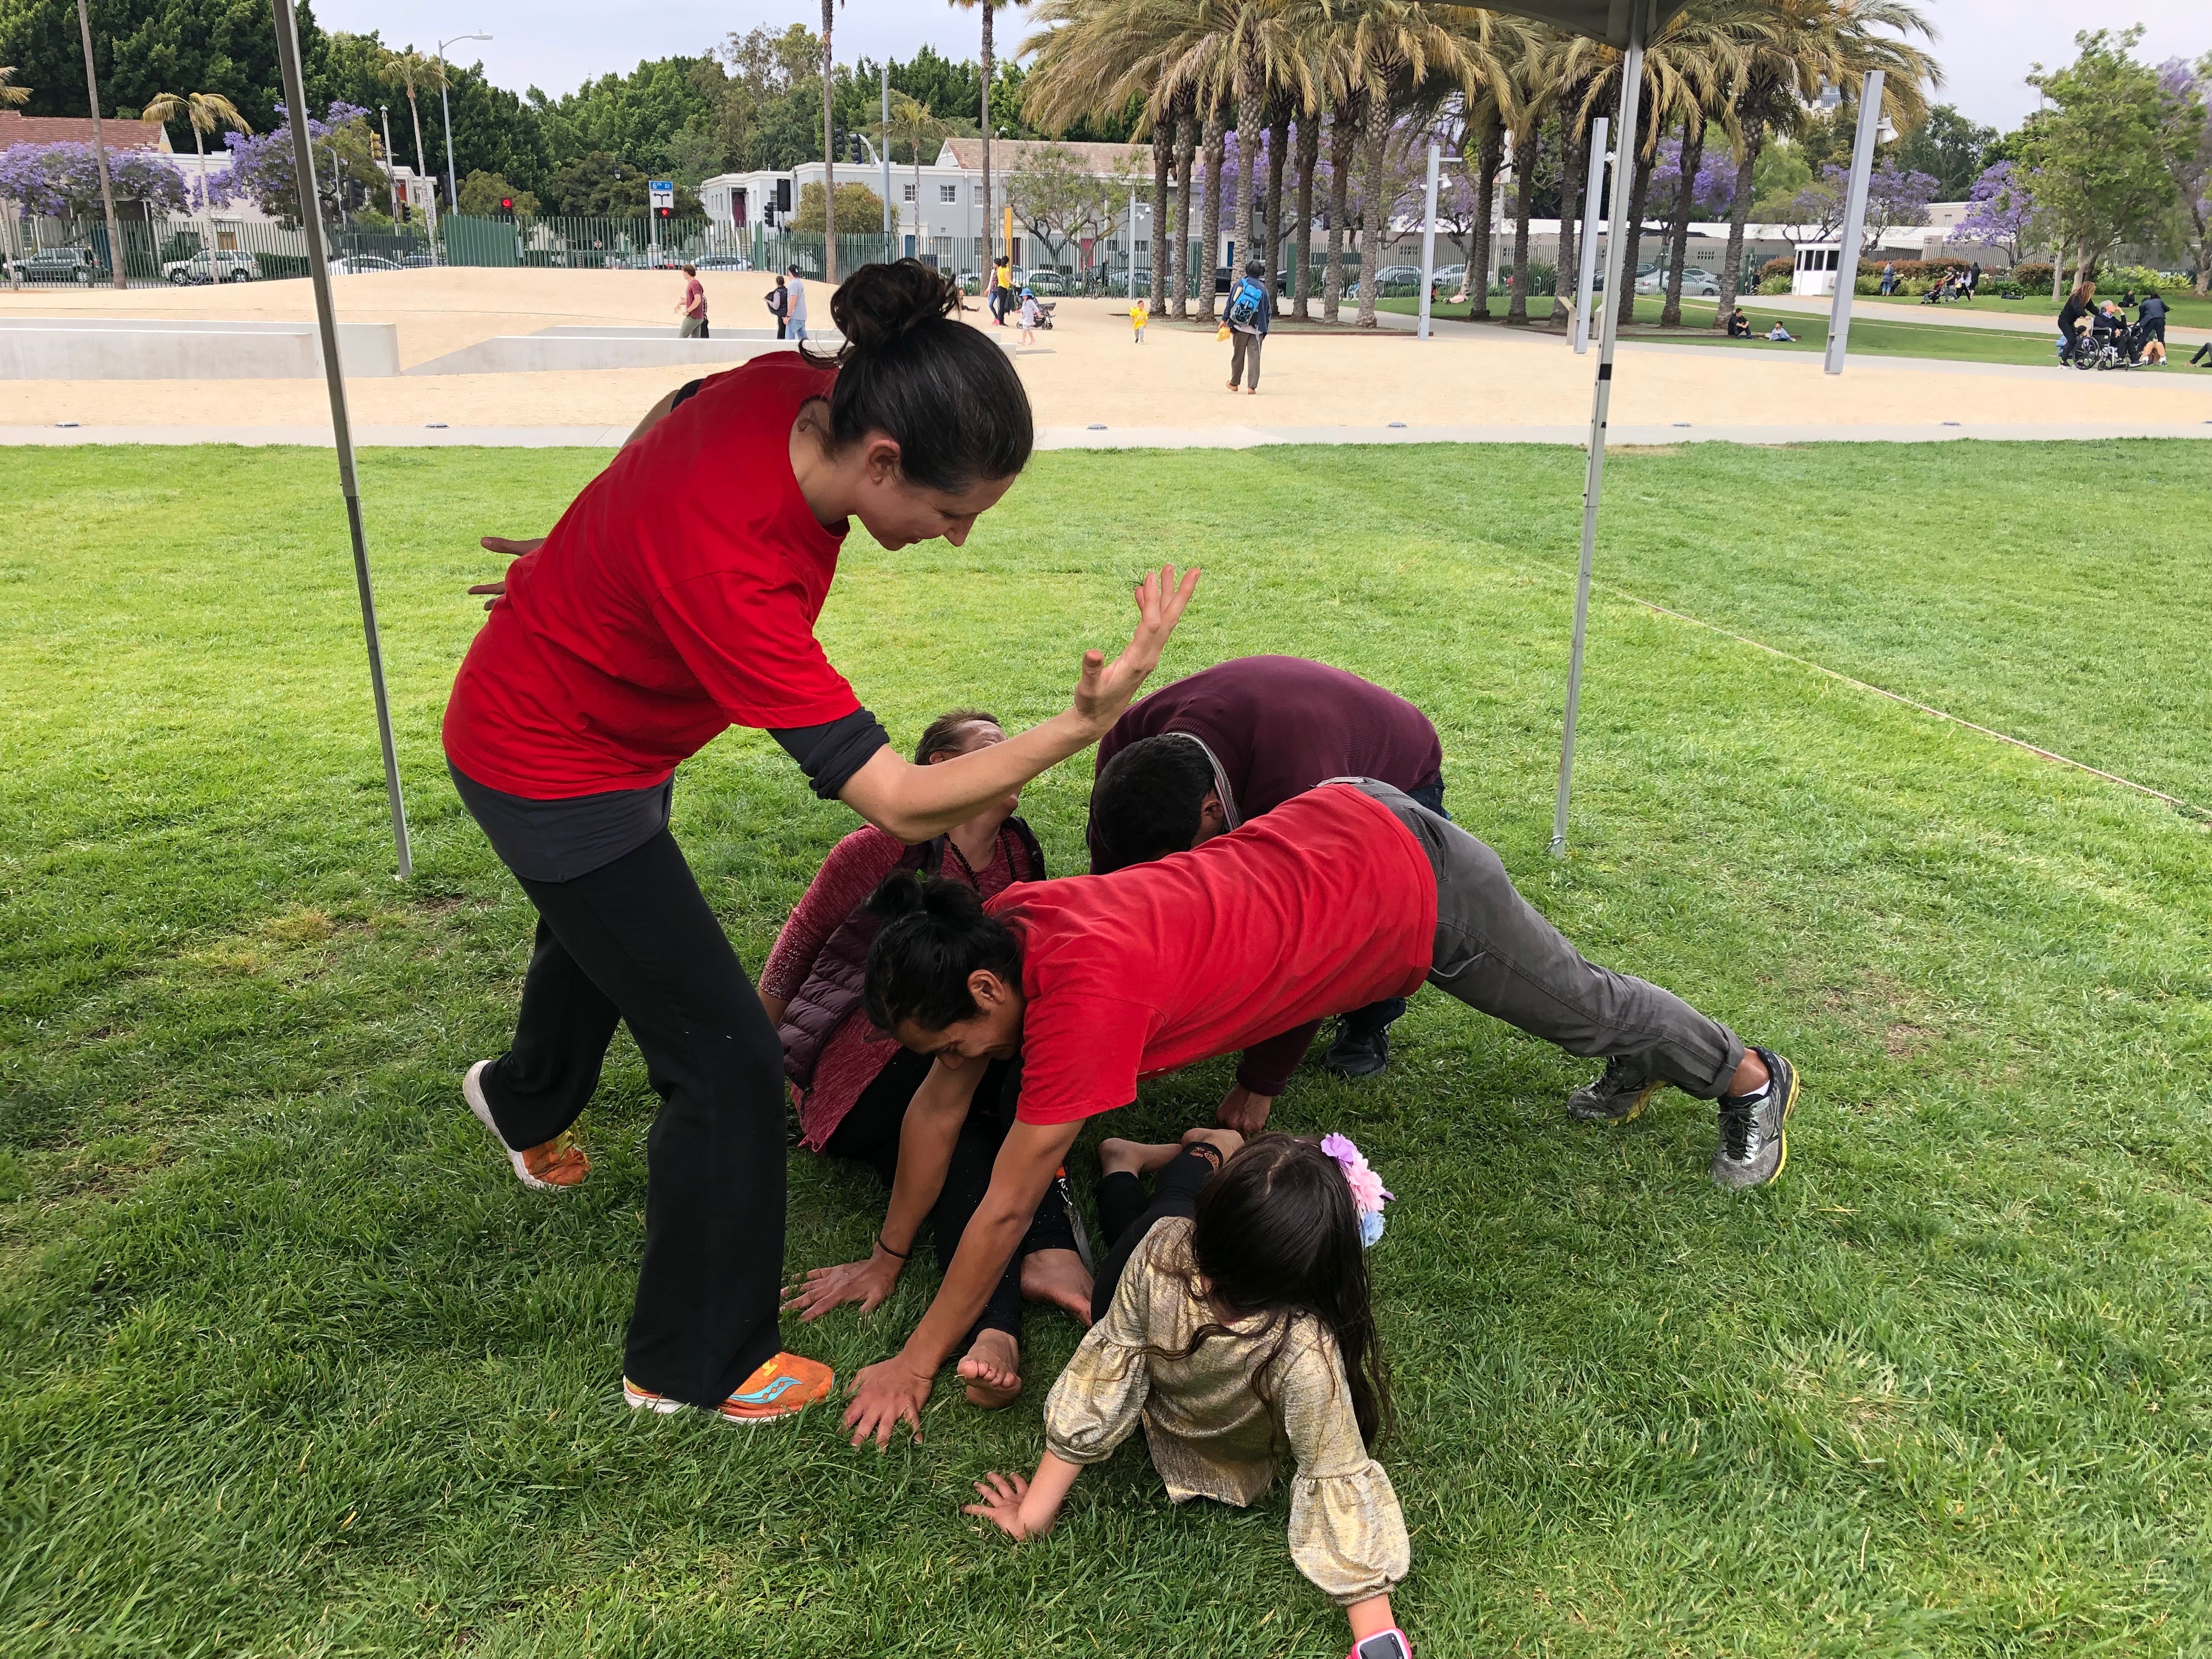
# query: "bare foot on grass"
1058 1277
992 1370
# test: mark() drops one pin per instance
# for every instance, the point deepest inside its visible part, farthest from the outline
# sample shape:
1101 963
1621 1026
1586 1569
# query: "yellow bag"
1221 333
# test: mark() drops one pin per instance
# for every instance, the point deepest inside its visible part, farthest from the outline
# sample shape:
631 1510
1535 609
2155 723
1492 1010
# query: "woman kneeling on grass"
1241 1325
855 1083
676 598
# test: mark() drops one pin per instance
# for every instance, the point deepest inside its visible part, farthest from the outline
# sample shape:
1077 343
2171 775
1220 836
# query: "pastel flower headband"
1368 1193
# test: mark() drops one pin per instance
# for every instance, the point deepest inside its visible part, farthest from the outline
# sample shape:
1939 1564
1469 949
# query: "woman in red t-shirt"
676 597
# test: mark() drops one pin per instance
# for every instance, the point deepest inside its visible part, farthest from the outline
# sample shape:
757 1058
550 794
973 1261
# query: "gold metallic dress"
1211 1436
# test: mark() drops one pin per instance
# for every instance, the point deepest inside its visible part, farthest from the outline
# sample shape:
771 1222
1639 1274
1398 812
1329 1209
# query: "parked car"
1047 281
724 262
1702 283
62 264
1448 279
218 265
357 265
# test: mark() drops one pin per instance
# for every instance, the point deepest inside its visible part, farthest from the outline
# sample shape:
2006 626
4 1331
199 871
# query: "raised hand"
865 1282
1002 1496
1105 688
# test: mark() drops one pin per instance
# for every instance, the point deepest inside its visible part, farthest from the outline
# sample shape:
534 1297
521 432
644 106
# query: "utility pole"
453 189
100 152
885 130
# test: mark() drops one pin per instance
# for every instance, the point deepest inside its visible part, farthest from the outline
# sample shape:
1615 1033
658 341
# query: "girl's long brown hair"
1276 1234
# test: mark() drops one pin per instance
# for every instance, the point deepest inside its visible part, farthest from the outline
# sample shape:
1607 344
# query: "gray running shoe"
1754 1135
1618 1097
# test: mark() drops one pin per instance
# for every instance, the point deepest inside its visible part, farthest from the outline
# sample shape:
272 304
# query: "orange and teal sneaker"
783 1387
555 1167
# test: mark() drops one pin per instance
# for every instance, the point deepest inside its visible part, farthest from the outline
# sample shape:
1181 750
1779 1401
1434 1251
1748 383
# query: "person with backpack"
779 303
1247 319
854 1084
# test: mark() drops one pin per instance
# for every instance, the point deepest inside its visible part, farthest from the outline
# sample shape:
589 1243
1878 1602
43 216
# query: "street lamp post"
445 103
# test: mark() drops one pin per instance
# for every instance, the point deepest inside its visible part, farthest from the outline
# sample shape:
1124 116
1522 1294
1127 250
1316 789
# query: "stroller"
1044 309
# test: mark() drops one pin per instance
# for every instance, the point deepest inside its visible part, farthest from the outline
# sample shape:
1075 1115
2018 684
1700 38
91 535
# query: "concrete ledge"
556 352
162 348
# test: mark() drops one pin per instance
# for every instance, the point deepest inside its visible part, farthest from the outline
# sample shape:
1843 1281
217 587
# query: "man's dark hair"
1148 801
1253 268
935 933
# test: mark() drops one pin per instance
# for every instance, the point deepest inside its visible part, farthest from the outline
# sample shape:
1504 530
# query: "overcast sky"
1986 46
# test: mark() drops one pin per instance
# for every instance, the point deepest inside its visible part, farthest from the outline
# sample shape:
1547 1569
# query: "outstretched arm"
926 1135
1027 1509
916 802
896 1389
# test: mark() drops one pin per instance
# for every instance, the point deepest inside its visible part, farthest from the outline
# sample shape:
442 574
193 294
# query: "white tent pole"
1847 256
319 273
1631 96
1429 238
1593 191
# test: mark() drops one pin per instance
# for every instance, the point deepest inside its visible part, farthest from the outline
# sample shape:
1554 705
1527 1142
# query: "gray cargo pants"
1496 954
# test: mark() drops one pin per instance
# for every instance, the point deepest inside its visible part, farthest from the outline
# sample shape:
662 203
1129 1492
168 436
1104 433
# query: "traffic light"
664 213
507 207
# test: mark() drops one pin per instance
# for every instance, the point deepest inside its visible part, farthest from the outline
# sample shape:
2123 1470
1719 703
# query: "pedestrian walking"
1030 313
797 319
1247 314
693 305
1888 278
778 304
1140 312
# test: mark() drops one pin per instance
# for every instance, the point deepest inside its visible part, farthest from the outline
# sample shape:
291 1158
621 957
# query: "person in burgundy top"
854 1083
676 597
1347 894
1203 754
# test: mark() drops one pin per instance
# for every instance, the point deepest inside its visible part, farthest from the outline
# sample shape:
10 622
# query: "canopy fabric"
1601 20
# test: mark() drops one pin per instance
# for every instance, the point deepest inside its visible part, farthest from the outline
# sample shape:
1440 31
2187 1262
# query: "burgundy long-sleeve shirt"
1275 726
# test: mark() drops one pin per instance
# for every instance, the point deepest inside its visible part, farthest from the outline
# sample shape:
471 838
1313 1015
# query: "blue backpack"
1244 304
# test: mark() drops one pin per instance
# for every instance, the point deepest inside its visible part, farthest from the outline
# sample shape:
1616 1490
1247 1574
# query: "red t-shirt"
1326 904
676 597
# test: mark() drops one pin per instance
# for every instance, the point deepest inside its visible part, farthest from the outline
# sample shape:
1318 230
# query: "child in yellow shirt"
1139 314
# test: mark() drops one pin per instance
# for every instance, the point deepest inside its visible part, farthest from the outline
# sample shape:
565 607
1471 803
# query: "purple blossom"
1712 193
261 164
1895 195
62 180
2001 212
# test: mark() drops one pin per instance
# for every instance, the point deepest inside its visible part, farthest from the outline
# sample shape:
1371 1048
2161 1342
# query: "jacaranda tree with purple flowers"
62 181
2184 92
346 169
2003 212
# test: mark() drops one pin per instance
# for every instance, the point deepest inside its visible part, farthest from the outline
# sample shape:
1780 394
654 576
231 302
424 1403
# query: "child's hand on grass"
867 1283
1002 1496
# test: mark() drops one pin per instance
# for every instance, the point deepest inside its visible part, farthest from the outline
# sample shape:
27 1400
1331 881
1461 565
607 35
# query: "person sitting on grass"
1778 332
854 1084
1739 325
1204 753
1350 893
1238 1323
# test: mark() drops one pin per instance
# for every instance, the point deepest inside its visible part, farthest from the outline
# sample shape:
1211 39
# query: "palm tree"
1485 127
1534 79
1800 46
990 233
412 69
830 151
1309 158
1263 49
10 92
912 124
204 111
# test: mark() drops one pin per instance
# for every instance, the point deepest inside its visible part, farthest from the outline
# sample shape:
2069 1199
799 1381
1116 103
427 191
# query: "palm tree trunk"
1570 210
1163 133
1186 181
1625 303
1678 246
1250 112
1490 156
1309 158
1341 121
1209 252
1524 188
1754 141
1374 206
990 236
1279 142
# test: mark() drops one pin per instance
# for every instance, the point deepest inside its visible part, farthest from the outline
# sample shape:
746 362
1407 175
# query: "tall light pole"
453 189
885 130
391 174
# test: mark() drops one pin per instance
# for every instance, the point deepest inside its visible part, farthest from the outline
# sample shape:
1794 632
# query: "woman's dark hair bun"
878 303
912 369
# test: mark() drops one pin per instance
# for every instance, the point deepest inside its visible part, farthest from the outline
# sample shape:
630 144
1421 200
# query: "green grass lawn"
295 1367
1876 335
2189 311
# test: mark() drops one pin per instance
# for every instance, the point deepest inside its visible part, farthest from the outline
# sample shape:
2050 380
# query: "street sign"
664 192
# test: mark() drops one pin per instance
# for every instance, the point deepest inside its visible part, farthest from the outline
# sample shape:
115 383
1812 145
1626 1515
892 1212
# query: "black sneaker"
1356 1052
1754 1133
1618 1097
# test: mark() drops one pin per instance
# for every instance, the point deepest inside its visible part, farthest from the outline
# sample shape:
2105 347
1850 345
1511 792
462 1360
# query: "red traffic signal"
664 213
507 205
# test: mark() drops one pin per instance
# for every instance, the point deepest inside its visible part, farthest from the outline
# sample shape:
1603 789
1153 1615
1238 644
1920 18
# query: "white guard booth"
1817 264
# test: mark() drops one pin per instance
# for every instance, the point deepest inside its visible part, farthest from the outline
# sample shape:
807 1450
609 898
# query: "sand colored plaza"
1083 373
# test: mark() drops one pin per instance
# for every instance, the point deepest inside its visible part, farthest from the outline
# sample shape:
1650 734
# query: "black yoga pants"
635 941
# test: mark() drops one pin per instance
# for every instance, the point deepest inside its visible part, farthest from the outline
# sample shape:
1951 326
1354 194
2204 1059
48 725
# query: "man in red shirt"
1347 894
